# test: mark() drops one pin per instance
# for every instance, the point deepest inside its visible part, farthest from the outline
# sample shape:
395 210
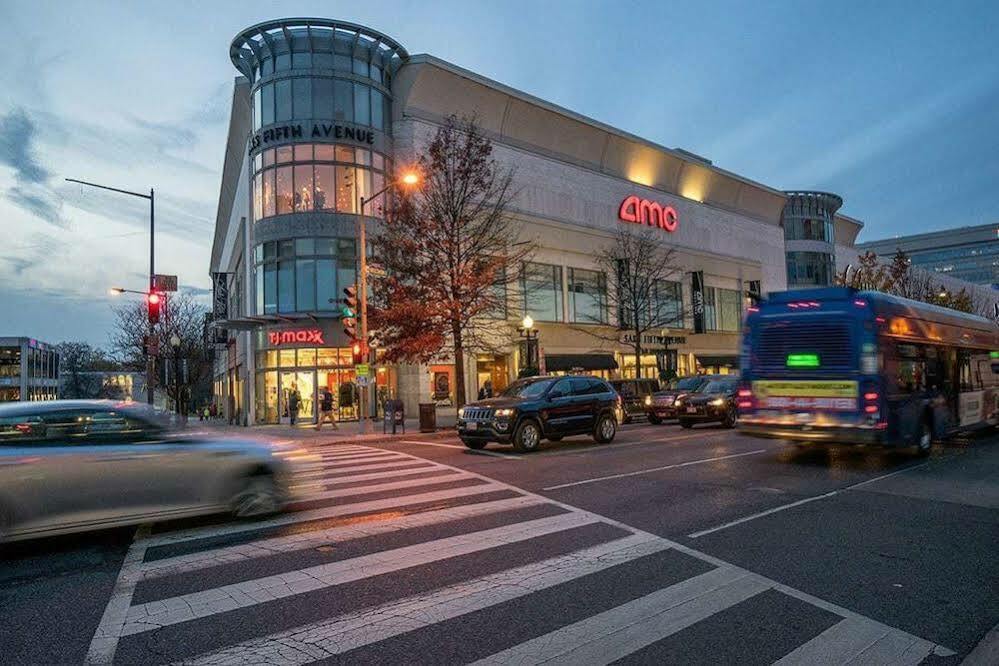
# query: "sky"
892 105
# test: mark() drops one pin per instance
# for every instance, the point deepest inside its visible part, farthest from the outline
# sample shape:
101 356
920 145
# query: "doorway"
305 384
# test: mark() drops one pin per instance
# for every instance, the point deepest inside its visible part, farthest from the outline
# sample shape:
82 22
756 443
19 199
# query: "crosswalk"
397 559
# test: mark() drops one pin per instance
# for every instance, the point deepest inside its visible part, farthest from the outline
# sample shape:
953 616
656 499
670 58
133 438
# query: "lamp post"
528 332
409 179
150 360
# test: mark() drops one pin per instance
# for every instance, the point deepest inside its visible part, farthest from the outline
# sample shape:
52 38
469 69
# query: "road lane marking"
244 552
608 636
104 643
495 454
327 470
337 635
320 514
604 447
791 505
431 473
156 614
654 469
380 487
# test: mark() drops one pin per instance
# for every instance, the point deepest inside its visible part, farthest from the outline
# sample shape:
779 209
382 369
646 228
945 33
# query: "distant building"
967 253
104 384
29 370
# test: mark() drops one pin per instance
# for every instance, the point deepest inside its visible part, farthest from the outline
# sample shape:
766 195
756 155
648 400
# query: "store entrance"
305 384
342 383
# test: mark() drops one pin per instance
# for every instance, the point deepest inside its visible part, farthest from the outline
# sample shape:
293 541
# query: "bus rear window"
805 345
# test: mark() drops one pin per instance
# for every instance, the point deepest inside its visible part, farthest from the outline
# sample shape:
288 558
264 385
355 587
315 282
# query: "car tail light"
23 428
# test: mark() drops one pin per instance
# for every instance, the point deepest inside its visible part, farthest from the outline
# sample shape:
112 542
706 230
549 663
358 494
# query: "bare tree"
79 364
643 290
449 252
183 317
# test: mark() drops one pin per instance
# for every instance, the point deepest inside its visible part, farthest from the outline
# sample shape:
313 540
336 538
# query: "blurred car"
714 402
636 395
537 408
662 404
70 466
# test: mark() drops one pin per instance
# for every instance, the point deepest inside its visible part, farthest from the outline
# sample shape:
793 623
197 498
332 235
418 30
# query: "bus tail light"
744 398
872 406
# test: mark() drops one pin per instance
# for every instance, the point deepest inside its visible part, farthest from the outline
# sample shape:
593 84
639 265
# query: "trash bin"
428 417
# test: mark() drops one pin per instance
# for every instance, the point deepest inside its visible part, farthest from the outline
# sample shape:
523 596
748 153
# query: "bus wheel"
925 442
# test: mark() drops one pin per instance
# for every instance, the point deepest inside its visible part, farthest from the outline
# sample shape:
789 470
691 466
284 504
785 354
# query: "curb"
986 653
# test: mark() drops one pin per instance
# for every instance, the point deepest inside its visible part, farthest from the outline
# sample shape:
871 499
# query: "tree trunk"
459 368
638 354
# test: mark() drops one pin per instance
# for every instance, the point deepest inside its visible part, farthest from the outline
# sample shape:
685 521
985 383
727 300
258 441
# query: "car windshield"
685 384
718 386
528 388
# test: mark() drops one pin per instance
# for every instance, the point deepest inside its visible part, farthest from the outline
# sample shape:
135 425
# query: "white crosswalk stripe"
215 573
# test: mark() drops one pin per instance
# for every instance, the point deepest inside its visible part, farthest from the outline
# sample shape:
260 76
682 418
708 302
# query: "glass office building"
966 253
29 370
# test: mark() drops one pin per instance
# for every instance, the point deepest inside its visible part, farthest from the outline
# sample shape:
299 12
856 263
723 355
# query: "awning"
567 362
725 360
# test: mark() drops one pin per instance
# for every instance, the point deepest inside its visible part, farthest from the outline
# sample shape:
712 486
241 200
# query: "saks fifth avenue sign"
319 131
644 211
650 341
295 337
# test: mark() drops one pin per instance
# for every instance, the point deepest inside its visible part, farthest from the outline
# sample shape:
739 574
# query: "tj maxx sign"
296 336
643 211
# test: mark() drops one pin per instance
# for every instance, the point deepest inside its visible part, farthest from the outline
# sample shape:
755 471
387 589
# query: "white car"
70 466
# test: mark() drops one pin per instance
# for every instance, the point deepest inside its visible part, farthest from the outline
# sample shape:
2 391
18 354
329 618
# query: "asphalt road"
667 546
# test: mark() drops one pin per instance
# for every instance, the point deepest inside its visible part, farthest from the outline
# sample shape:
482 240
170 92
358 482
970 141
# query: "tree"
184 317
78 364
643 289
869 275
449 250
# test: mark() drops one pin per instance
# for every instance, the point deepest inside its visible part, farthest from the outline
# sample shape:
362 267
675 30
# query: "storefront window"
588 296
314 183
541 286
729 318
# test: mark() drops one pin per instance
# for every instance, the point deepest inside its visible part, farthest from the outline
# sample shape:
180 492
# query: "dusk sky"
892 105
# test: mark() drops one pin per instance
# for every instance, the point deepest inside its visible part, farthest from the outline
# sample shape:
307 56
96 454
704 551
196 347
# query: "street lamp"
530 335
150 371
409 179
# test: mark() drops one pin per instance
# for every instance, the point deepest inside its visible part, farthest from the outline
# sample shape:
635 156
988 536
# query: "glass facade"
809 229
320 177
303 274
320 98
587 296
809 268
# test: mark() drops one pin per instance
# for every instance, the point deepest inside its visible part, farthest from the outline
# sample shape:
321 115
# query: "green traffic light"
346 312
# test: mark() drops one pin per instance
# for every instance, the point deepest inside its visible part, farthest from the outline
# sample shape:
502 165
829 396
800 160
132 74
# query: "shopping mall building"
325 112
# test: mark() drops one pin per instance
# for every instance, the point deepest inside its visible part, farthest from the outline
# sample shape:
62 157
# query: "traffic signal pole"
150 359
363 288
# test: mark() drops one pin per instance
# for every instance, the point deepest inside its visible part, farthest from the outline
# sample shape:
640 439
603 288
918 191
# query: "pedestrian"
487 390
326 409
293 403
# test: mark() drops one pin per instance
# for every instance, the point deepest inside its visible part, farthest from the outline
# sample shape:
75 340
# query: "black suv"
636 395
713 402
537 408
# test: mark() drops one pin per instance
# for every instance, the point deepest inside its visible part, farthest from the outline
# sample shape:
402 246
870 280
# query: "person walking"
487 390
326 409
294 402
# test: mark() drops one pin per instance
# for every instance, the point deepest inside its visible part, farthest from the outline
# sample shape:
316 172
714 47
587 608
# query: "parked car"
663 407
636 395
76 465
712 403
537 408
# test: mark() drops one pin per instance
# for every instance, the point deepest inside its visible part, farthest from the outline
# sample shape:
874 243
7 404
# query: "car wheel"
474 443
655 420
924 443
686 423
259 496
730 418
528 437
605 429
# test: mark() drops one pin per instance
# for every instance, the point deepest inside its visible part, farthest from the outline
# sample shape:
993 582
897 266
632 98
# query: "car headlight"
718 402
504 412
648 400
678 402
461 413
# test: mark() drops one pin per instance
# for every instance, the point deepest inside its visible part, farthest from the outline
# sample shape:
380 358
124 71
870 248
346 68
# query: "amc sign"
298 336
643 211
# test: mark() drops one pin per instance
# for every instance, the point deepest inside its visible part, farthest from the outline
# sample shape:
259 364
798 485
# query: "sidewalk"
348 431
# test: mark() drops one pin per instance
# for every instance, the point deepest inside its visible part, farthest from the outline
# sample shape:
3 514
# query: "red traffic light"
357 351
153 302
153 298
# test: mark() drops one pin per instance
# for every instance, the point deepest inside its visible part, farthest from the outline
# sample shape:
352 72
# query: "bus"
839 365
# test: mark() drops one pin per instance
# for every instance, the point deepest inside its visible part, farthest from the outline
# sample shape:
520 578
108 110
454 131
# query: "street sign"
376 270
363 381
164 282
362 370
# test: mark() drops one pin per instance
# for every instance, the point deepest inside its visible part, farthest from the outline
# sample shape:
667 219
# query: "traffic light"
349 311
357 352
153 302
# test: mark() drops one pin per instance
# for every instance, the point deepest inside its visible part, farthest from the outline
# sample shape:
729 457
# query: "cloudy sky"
893 105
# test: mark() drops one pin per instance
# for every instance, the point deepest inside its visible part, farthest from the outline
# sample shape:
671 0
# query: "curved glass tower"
809 225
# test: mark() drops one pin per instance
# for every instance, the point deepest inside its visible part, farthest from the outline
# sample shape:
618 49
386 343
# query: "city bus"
839 365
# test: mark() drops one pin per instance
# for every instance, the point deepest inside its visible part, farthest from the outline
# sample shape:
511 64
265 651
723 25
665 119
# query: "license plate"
691 410
471 425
